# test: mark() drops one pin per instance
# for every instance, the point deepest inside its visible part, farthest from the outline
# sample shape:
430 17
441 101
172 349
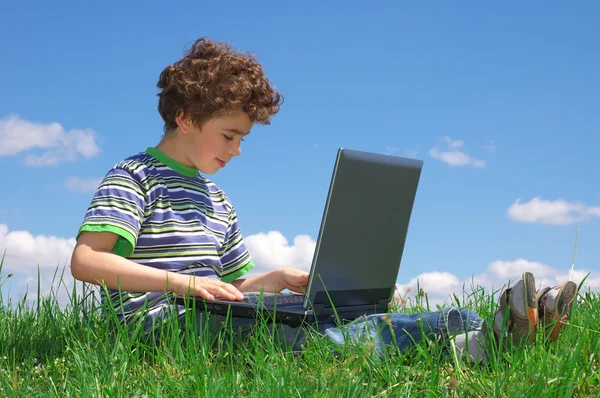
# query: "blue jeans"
377 330
405 330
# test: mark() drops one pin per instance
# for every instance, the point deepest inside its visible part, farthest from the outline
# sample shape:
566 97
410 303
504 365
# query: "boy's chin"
209 170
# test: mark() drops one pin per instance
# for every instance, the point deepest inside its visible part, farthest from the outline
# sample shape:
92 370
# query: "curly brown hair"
212 79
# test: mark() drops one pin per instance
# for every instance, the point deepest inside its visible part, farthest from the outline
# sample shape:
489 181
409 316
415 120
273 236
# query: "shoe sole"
530 300
564 298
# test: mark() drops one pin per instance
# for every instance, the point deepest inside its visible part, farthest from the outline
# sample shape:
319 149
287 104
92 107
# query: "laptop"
359 247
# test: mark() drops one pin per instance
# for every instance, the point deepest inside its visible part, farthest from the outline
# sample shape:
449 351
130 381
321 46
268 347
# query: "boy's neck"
174 148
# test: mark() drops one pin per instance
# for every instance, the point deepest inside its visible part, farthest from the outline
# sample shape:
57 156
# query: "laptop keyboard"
271 300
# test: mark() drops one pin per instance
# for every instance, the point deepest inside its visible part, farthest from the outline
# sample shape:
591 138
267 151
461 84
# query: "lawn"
46 350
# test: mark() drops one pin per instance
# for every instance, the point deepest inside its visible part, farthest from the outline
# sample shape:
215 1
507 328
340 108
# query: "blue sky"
500 101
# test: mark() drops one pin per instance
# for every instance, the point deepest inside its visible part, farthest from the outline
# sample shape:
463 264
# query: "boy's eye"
230 138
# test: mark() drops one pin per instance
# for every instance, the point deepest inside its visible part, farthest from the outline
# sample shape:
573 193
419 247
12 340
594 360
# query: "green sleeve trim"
233 276
125 243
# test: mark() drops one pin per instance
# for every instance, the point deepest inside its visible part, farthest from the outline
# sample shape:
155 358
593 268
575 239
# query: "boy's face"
212 145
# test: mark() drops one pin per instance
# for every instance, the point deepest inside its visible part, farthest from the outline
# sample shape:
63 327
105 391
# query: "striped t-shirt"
169 217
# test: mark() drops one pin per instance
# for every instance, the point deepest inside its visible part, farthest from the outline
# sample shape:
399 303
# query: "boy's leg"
404 330
240 329
554 307
378 330
471 343
517 317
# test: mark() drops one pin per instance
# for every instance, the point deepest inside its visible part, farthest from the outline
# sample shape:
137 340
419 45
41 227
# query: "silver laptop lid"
363 230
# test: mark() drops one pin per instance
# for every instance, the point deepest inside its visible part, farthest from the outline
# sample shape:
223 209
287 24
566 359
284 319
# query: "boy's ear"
184 122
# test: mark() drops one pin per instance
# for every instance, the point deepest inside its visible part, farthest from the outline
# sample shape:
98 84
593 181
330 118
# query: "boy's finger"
205 294
227 286
236 293
229 291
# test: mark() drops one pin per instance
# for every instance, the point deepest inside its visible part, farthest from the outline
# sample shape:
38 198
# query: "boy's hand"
204 287
292 279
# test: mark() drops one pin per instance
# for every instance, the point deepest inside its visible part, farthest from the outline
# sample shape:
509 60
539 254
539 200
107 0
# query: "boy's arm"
94 262
237 262
274 281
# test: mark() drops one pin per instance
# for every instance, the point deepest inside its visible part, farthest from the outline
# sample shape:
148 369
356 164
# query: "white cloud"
453 155
438 285
24 252
272 250
18 135
593 280
390 149
515 268
441 286
79 185
555 212
30 250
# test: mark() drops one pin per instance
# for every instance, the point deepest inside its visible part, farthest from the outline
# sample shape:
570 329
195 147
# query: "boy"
157 227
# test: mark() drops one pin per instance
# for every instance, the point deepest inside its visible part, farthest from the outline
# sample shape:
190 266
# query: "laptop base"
293 315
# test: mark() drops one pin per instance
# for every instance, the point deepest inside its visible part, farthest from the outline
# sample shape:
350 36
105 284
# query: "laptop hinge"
316 307
351 298
384 303
382 306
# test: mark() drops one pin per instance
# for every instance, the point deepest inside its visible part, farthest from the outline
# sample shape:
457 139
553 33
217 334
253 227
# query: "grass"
74 351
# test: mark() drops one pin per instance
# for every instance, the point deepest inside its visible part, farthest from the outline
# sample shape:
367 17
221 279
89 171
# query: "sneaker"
554 307
519 307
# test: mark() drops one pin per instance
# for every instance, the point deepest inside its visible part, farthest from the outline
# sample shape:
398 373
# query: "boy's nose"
236 150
